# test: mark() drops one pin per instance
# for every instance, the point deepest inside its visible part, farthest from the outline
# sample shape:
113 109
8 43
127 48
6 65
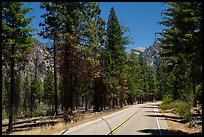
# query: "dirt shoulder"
177 125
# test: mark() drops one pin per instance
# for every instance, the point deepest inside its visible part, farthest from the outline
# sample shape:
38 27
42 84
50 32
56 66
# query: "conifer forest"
86 66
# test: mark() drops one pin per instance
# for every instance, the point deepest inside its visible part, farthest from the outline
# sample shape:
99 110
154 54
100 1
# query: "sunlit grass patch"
45 130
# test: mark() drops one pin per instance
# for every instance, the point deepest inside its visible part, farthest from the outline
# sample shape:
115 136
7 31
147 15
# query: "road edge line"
157 122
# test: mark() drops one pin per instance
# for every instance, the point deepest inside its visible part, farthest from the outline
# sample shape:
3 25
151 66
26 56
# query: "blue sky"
140 17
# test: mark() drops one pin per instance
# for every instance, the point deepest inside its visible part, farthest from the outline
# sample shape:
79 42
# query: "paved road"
140 119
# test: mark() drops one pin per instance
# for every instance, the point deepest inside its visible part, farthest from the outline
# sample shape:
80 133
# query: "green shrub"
167 103
166 106
167 99
37 113
183 109
50 112
26 113
198 94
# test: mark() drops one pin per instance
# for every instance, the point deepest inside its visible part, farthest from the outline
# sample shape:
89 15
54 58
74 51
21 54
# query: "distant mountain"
138 50
40 60
41 57
151 54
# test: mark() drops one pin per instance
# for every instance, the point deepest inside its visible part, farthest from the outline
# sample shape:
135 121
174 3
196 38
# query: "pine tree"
51 31
35 88
144 86
115 58
95 32
182 43
26 91
78 45
161 80
48 85
16 42
133 79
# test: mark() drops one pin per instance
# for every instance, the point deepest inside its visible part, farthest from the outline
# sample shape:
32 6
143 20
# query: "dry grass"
53 129
58 128
45 130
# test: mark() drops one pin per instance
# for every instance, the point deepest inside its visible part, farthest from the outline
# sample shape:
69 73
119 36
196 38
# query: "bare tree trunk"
121 100
10 126
55 79
193 81
86 104
66 82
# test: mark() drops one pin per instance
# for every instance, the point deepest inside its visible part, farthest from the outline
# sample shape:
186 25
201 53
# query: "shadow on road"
149 107
152 111
164 132
153 105
172 118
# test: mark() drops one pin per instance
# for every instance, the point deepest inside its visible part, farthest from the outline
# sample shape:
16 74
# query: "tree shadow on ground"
152 111
172 117
153 105
163 132
149 107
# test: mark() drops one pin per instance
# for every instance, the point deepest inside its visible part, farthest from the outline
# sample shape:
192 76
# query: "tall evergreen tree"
51 31
95 33
77 30
182 43
161 80
16 42
115 58
48 85
26 93
133 80
144 86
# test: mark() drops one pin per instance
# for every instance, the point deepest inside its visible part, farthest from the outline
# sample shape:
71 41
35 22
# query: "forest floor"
174 122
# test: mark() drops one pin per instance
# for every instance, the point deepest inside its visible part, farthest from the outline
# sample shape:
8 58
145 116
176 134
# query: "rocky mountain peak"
151 53
138 50
40 59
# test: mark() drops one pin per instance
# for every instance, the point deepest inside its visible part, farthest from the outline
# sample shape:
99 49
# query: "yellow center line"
123 122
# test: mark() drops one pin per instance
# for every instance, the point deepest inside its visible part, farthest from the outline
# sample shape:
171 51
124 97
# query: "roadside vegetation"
182 53
183 108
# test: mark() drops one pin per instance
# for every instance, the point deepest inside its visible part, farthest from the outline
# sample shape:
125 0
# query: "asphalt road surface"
140 119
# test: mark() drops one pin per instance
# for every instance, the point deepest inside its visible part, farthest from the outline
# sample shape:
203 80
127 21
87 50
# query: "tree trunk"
67 68
71 91
113 102
101 100
104 101
66 82
96 101
193 82
86 104
55 79
66 94
76 95
31 103
67 78
10 126
121 99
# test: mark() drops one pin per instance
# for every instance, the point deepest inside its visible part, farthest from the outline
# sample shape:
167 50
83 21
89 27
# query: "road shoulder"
177 125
